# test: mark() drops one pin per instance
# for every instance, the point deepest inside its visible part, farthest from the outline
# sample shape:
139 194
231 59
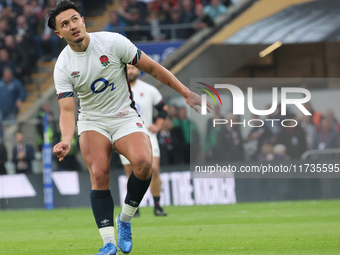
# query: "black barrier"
246 190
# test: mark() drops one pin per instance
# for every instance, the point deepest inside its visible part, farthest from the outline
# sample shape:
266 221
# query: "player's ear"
82 18
58 34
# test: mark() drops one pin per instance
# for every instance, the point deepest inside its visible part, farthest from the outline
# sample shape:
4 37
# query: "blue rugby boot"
108 249
124 235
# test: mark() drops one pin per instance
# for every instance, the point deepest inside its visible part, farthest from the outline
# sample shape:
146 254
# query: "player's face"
70 26
132 72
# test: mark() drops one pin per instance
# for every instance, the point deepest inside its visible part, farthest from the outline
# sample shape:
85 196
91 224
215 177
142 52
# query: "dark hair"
62 6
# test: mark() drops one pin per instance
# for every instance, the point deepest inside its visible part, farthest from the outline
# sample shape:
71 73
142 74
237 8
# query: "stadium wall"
72 189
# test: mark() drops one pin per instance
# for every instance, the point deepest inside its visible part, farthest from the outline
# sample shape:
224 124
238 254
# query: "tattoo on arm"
155 76
137 66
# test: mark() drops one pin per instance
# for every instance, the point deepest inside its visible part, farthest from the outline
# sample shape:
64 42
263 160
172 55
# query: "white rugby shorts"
113 128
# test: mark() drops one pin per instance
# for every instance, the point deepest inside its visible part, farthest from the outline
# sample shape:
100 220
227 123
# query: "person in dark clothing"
136 22
3 158
12 94
326 138
229 143
23 154
293 138
187 16
256 138
175 19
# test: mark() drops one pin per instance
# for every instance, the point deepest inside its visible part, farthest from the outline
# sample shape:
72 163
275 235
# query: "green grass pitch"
301 227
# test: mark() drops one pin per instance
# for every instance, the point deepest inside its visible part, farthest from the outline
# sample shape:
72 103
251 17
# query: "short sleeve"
156 96
125 49
62 83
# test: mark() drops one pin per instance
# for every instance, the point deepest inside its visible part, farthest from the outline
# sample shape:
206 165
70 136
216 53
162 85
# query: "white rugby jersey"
98 75
146 97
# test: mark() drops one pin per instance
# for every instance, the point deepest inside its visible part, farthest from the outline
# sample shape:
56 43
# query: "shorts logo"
123 113
75 74
141 94
139 125
104 60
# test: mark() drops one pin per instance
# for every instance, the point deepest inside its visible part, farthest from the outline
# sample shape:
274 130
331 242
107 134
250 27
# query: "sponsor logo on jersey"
139 125
104 60
75 74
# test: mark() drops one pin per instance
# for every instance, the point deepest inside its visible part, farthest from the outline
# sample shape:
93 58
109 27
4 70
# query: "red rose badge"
104 60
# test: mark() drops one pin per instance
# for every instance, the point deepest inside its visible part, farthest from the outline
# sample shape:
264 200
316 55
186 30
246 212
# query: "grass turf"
301 227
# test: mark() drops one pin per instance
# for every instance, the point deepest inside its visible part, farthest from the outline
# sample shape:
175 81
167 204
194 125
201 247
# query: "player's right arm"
67 127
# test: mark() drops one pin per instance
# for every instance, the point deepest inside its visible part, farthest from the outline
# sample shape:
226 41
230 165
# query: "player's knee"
142 167
100 179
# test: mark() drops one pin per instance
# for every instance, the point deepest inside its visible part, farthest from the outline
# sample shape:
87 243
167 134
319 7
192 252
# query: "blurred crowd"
272 141
153 14
25 40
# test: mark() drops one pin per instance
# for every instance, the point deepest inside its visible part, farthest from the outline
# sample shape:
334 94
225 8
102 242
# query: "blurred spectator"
191 145
53 136
36 9
210 122
267 152
17 6
7 14
187 16
179 33
22 28
280 152
3 158
20 57
124 15
167 144
4 30
70 163
47 42
215 9
140 6
330 115
173 112
229 142
6 62
326 138
114 23
205 20
31 18
256 138
316 116
23 154
309 128
293 138
12 94
165 12
137 34
155 29
1 128
274 126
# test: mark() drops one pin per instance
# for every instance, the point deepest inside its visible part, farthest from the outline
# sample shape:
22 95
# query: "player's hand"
61 149
196 100
153 128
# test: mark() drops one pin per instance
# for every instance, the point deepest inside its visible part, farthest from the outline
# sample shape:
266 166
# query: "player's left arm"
151 67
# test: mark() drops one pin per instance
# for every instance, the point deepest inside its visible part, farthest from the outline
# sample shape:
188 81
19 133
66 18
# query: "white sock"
108 235
127 213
